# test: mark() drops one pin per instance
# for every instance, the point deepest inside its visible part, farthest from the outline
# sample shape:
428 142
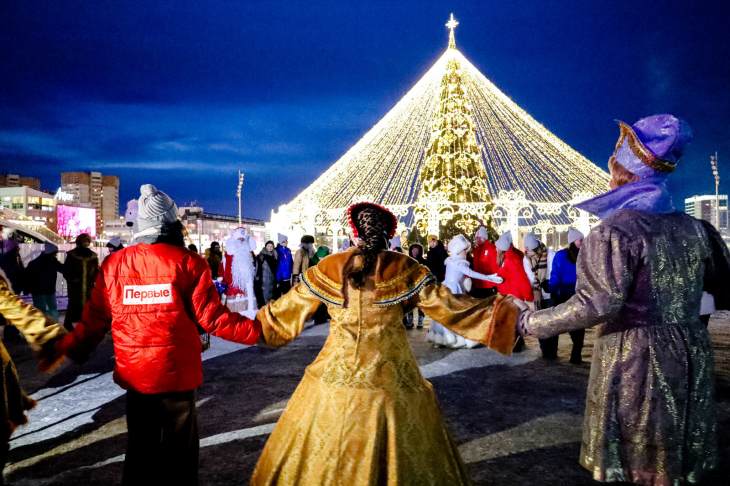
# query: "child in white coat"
457 271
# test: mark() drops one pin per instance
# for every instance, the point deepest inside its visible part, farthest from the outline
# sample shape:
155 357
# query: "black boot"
409 321
577 337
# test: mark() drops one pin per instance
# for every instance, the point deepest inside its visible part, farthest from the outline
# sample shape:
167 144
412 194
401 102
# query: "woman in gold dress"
363 414
41 333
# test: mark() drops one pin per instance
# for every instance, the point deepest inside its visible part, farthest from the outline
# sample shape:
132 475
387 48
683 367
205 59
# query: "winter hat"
307 239
49 248
574 235
531 241
482 233
458 244
115 241
282 238
504 241
155 208
652 146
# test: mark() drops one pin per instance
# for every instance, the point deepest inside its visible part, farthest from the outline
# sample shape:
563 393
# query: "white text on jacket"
147 294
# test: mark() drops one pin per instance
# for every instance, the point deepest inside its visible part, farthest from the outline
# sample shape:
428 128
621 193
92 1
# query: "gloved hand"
494 278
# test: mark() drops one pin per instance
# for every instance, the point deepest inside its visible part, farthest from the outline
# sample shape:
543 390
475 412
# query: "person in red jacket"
484 260
511 268
152 295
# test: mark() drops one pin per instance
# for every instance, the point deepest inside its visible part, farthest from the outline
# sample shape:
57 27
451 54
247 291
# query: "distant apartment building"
99 191
17 180
30 204
705 207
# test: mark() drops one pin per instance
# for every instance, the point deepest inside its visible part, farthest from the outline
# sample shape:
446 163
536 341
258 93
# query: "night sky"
184 93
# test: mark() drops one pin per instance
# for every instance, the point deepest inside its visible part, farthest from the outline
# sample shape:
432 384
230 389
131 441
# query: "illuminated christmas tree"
453 172
454 150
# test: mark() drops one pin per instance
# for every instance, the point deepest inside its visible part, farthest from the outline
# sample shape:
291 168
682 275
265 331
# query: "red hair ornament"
354 209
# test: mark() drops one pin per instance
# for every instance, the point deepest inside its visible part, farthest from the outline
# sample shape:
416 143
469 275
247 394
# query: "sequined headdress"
354 209
652 146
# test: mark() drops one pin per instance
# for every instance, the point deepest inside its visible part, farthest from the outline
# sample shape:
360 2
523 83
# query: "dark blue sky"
182 93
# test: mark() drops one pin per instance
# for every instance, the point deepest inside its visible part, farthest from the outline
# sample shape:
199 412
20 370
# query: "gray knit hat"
155 208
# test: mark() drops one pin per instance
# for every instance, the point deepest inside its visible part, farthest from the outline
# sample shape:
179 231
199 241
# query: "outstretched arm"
95 322
283 319
717 269
490 321
212 315
35 327
494 278
605 275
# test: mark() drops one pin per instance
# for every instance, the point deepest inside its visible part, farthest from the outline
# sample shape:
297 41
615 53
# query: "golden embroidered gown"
363 414
38 330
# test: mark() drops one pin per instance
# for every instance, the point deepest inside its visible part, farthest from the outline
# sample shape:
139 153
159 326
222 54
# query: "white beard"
242 269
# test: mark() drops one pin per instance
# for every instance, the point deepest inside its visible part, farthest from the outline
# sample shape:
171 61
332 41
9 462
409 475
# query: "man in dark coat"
12 265
41 276
215 260
79 270
436 257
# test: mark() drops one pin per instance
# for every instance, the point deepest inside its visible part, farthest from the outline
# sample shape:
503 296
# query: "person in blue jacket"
562 288
284 268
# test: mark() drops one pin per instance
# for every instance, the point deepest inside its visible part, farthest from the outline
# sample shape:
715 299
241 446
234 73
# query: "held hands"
526 308
50 356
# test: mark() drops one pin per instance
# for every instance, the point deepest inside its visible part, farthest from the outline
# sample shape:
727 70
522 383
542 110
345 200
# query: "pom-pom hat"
354 210
155 208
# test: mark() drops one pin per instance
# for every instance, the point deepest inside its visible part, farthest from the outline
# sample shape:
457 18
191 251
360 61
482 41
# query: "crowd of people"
363 413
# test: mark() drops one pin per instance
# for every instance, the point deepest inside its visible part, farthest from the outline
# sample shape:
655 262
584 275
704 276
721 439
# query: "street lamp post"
238 194
716 175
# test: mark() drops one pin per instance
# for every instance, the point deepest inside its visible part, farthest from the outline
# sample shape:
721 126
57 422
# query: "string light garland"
454 145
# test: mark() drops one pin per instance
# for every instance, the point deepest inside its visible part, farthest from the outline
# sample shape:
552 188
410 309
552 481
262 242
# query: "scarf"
538 263
648 195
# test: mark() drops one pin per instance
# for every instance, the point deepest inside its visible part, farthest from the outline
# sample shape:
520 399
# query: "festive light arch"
528 177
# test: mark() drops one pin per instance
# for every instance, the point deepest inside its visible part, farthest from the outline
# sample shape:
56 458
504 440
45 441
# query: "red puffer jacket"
512 271
152 297
484 261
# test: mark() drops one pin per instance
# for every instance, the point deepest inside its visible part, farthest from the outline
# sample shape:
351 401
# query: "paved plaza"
517 420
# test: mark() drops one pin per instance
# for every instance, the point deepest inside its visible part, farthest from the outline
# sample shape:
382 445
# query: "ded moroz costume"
650 412
239 273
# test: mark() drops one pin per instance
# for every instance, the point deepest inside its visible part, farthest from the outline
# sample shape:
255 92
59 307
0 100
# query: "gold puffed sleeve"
605 268
491 321
283 319
32 323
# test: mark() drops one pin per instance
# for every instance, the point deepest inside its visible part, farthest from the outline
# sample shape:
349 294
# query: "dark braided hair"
372 227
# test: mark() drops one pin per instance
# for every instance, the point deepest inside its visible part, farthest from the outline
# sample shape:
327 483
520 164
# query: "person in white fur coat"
239 273
457 271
